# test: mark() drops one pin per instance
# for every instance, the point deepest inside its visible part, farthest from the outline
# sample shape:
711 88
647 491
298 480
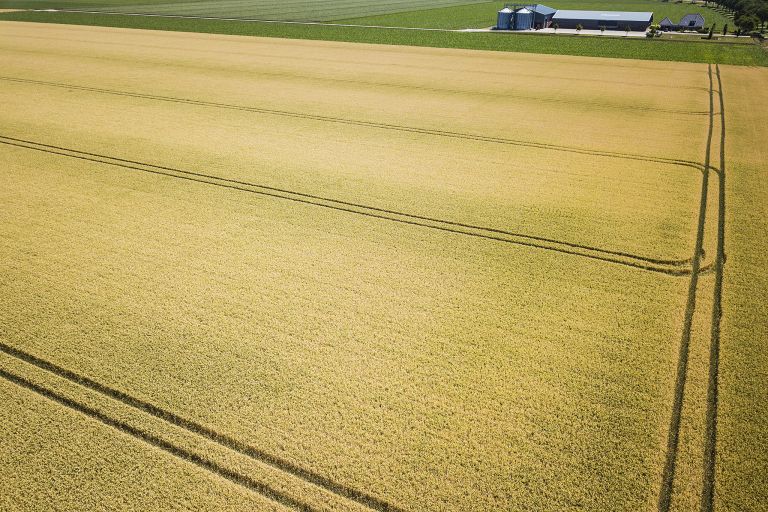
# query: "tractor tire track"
371 124
219 438
516 96
668 477
157 442
672 262
670 267
710 450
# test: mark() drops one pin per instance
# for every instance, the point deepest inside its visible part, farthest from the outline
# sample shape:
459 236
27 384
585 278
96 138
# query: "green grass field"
421 13
484 14
316 10
681 51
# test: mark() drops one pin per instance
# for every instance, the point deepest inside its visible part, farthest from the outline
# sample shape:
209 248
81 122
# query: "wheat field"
246 274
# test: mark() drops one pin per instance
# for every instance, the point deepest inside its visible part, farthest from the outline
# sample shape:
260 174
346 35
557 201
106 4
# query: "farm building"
542 15
611 20
668 24
689 22
524 17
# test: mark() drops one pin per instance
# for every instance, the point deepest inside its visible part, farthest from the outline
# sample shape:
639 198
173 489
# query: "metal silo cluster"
515 19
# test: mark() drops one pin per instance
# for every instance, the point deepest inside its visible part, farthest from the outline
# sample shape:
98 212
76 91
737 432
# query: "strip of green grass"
746 55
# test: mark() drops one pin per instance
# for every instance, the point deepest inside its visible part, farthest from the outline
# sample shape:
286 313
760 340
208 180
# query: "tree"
747 23
602 29
627 28
761 11
578 28
555 26
711 31
725 29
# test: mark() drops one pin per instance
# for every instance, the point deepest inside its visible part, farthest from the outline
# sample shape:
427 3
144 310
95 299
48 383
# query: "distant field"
484 14
310 275
440 14
318 10
419 13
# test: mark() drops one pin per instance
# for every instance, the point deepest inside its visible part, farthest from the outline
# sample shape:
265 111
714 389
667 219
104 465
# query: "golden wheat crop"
346 276
743 420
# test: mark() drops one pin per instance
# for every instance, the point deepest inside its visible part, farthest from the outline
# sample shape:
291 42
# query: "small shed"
692 22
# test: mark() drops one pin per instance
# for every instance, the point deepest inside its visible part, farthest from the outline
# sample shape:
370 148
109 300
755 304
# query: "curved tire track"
670 267
459 92
372 124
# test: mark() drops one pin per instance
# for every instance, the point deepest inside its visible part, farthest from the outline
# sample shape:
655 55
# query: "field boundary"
375 125
668 477
620 47
157 442
196 428
669 267
710 451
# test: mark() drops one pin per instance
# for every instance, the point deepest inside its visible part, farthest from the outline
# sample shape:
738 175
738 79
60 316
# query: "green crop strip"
484 14
297 10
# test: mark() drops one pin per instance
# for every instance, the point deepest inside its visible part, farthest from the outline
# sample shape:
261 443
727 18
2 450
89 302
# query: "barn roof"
692 17
541 9
666 21
603 15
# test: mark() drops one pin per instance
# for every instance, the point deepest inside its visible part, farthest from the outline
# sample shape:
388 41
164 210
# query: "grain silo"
504 21
523 19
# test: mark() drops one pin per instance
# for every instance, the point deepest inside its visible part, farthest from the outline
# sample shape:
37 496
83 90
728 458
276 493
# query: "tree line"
748 15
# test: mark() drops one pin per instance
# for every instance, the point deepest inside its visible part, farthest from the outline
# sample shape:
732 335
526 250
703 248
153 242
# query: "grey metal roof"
692 17
603 15
666 21
541 9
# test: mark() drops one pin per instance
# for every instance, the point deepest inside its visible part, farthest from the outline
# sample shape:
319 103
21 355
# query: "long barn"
611 20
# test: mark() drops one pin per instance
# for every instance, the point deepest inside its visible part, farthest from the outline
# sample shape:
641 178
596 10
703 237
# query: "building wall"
542 20
609 25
